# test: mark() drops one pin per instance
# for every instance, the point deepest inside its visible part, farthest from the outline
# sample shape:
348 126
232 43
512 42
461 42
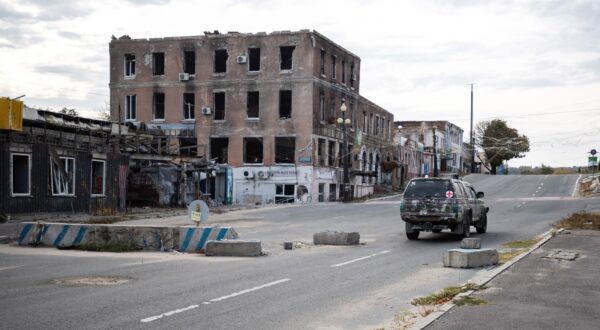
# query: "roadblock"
193 239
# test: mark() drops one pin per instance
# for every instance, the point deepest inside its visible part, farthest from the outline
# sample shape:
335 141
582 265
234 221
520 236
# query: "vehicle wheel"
466 231
482 224
411 234
437 231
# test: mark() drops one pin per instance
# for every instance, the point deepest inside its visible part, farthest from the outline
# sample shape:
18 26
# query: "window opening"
129 65
252 104
285 147
219 98
343 72
284 193
321 192
352 76
130 107
376 131
21 174
332 188
219 148
253 150
322 62
98 177
254 59
62 176
331 153
189 61
188 106
333 66
159 106
321 152
286 57
221 60
321 107
285 104
188 146
365 123
158 64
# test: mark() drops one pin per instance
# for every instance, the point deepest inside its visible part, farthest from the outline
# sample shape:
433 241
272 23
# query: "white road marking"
250 290
541 184
177 311
339 216
576 184
185 309
11 267
359 259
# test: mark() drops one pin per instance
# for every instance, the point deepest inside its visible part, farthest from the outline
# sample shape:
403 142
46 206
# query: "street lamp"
343 121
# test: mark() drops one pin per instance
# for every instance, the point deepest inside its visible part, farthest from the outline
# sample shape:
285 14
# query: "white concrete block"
470 243
470 258
336 238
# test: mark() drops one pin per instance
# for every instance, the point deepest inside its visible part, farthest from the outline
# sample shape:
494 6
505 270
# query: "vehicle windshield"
428 188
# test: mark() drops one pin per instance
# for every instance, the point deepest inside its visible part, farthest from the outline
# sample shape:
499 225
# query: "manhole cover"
562 255
92 280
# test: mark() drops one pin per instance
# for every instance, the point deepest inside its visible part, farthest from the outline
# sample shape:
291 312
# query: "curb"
481 278
382 198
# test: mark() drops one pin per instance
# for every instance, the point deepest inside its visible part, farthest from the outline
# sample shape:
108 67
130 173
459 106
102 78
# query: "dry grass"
443 296
526 244
580 220
505 257
468 301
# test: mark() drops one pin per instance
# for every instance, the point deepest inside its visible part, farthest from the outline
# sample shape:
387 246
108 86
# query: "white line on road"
359 259
250 290
11 267
576 184
177 311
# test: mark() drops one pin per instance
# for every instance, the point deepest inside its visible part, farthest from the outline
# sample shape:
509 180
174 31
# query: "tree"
104 112
70 112
546 169
500 142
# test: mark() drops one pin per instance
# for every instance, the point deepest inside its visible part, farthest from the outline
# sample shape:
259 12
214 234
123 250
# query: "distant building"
266 105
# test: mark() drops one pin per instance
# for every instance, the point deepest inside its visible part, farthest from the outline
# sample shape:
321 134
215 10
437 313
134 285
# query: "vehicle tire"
411 234
466 230
436 231
482 224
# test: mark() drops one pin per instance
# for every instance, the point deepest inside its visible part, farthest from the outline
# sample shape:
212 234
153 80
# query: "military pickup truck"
436 204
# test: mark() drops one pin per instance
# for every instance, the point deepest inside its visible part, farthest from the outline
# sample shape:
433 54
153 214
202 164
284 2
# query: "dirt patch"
580 220
92 280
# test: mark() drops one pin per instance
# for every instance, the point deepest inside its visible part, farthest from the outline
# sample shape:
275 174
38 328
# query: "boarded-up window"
158 64
21 174
252 104
98 177
253 150
159 106
221 60
62 176
254 59
285 147
189 62
286 57
219 149
219 99
285 104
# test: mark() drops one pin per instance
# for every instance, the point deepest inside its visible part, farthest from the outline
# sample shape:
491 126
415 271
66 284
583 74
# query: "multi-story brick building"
264 105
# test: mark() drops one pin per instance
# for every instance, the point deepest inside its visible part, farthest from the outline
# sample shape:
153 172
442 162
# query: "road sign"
592 161
593 152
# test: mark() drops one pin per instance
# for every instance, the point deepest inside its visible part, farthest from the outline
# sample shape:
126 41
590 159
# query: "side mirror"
480 194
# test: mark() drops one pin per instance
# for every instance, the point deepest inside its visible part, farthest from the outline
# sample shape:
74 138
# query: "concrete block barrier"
336 238
194 239
55 234
470 258
234 248
470 243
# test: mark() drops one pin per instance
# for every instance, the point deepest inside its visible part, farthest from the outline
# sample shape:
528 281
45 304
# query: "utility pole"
472 142
435 166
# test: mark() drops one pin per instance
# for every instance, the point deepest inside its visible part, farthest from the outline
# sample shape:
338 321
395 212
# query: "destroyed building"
264 106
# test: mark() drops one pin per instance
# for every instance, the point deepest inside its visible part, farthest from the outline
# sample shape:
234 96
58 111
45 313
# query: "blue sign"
305 159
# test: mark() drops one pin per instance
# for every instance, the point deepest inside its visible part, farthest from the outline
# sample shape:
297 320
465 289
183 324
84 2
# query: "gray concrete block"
233 248
336 238
470 243
469 258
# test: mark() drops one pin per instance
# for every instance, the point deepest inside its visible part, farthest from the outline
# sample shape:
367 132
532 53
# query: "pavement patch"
92 280
562 255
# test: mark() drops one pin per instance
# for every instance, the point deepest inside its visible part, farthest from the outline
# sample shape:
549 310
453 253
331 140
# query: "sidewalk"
539 292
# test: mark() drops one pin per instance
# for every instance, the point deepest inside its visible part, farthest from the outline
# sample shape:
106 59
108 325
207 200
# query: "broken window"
284 193
252 104
285 147
130 107
62 176
321 152
285 104
332 188
253 150
322 62
189 61
333 66
158 64
321 107
221 60
219 147
20 174
352 76
188 146
254 59
159 106
343 72
286 57
331 153
219 99
188 106
98 177
129 65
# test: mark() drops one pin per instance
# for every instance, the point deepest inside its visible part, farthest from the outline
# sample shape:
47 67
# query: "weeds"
109 247
504 257
443 296
526 244
580 220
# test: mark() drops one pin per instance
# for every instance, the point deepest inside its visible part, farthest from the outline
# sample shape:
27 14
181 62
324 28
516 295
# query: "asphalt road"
310 287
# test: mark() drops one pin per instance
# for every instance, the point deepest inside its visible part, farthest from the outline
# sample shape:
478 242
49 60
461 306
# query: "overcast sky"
534 63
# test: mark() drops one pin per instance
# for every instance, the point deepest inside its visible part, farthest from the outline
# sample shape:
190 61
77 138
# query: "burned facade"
263 105
60 163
